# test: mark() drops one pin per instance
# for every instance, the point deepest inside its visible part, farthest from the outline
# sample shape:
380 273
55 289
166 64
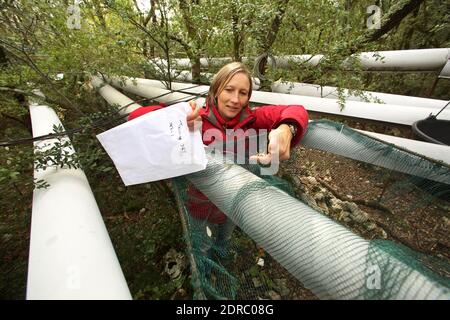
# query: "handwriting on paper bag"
182 149
171 128
180 126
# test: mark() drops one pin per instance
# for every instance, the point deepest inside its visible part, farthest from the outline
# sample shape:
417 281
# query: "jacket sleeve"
270 117
143 110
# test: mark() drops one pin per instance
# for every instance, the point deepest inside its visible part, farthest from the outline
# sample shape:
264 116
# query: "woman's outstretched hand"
193 119
279 146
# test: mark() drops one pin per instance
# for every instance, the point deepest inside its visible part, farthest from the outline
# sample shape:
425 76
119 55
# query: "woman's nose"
235 97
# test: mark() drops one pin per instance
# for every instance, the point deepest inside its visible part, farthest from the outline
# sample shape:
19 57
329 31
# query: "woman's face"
234 96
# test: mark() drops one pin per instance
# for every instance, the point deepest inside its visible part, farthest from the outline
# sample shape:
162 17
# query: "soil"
414 218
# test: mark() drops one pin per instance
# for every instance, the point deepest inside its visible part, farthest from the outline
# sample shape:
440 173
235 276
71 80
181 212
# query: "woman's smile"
234 108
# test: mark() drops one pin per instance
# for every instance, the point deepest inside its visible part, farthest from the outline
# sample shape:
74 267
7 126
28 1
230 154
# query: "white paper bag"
155 146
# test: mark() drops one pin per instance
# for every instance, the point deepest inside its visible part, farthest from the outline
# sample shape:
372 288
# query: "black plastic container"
433 130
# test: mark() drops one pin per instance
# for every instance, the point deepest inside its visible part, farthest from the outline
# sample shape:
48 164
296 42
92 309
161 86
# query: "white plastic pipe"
285 62
186 76
314 90
391 113
417 60
338 139
71 255
112 96
445 72
431 150
405 60
185 63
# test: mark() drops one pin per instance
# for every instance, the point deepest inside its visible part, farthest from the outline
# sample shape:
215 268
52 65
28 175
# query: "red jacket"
266 117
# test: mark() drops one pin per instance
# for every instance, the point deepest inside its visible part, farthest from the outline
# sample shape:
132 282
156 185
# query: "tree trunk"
237 34
193 50
24 120
3 58
271 35
154 22
195 61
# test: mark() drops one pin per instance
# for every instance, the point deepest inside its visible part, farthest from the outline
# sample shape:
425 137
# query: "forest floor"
408 217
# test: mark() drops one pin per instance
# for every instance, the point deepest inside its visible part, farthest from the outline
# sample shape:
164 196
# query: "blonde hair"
223 76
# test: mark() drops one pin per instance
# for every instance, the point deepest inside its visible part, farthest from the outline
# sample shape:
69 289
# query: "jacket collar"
211 113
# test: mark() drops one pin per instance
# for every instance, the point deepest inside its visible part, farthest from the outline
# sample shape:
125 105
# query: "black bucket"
433 130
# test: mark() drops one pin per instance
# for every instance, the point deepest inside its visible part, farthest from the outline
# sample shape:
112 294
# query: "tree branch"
393 18
27 60
368 203
271 33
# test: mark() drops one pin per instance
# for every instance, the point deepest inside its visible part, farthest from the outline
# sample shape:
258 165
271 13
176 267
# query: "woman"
226 111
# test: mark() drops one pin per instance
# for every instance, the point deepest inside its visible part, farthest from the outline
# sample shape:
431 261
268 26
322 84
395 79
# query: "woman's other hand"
193 119
283 138
279 146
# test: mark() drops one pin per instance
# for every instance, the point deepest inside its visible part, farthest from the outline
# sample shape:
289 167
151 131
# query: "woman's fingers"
262 159
193 116
195 110
193 104
278 148
279 143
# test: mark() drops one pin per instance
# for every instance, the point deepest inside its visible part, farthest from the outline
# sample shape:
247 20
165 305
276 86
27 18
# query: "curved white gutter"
315 90
71 254
153 88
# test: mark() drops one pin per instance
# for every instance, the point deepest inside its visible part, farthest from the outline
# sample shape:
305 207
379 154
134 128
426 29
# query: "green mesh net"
225 258
314 242
384 255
